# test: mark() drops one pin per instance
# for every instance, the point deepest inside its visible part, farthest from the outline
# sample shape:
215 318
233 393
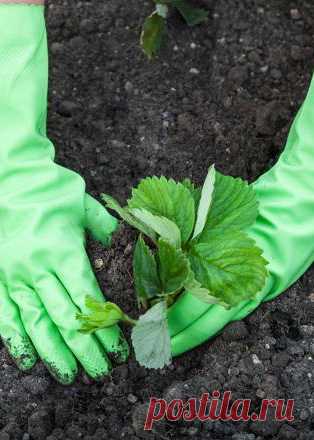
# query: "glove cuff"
28 2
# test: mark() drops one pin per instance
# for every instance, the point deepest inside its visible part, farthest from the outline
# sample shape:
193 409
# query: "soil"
224 92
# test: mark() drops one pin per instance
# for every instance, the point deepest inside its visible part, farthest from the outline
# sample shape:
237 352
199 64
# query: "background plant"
192 241
155 26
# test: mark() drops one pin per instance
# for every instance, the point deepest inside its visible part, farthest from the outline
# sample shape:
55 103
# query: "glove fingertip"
22 352
105 233
27 363
99 222
64 377
122 352
115 344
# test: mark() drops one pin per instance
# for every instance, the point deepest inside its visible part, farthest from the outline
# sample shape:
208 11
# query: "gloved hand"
284 230
45 273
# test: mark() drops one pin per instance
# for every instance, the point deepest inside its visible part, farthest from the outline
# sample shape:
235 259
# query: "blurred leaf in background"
155 26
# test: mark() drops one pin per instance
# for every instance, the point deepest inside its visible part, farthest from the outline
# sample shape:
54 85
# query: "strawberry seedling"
155 26
192 241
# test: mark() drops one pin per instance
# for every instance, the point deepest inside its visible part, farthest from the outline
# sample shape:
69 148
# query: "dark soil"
114 118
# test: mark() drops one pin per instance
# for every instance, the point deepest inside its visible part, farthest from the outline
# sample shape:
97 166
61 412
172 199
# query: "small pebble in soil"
98 263
275 74
260 394
67 108
128 87
255 359
194 71
132 398
56 48
295 14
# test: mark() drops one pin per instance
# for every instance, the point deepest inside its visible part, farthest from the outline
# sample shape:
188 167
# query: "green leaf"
205 201
165 228
153 31
102 315
229 265
234 205
124 213
166 198
195 288
195 192
147 283
191 14
151 338
173 267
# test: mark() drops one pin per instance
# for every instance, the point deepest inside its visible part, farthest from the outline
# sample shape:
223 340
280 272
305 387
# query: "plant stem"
129 320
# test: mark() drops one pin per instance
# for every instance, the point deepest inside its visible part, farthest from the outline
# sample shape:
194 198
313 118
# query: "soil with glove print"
224 93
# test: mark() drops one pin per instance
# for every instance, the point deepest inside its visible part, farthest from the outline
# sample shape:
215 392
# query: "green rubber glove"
284 230
45 273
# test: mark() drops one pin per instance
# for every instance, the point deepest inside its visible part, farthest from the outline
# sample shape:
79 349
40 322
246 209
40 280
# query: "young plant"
192 241
155 26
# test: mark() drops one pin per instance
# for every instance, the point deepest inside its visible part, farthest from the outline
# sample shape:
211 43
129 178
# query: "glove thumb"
98 221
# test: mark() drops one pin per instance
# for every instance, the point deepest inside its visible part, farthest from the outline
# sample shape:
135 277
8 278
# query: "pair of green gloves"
45 273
